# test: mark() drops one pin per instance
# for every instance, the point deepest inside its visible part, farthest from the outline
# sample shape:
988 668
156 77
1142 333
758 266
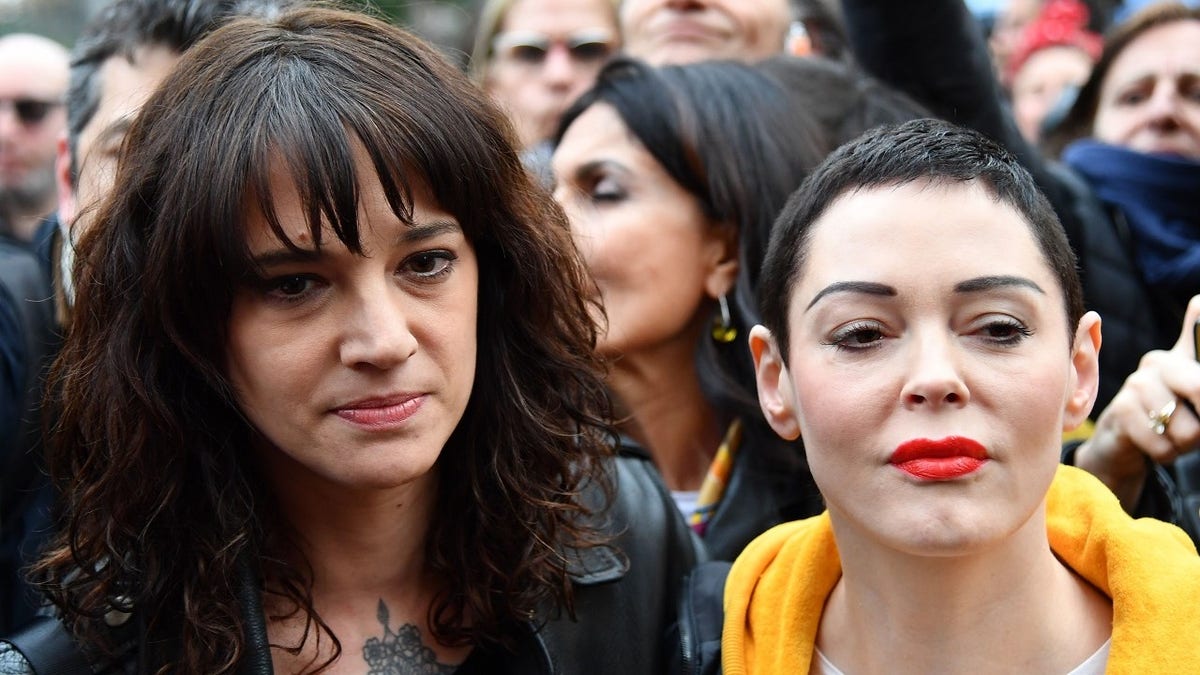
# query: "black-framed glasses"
530 48
30 111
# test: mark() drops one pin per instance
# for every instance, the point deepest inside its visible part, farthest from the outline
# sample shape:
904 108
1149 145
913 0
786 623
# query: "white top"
1094 665
686 501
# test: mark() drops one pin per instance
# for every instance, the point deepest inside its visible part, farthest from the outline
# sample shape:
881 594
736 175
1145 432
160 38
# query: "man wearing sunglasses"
534 57
33 82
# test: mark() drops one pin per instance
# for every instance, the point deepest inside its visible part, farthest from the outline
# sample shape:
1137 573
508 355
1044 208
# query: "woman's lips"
945 459
381 414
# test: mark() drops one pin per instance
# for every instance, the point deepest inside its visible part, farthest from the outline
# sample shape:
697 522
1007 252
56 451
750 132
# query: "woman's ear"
1085 372
723 261
775 394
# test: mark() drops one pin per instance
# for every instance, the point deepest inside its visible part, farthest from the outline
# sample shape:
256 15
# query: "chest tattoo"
401 652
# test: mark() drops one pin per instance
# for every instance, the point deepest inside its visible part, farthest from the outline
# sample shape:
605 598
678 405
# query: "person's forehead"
125 83
1168 46
31 73
558 15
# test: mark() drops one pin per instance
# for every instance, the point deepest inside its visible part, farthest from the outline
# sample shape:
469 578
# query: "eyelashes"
860 336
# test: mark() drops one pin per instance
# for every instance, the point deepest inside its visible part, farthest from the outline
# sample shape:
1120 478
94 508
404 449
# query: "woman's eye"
429 264
1005 332
291 287
607 189
1132 97
856 337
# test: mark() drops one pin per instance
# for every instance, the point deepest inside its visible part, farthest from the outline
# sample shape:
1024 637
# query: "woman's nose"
377 331
934 377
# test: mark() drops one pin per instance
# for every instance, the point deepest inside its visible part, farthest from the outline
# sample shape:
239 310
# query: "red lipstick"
946 459
382 413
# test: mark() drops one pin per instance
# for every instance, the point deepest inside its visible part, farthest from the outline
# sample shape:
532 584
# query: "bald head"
33 83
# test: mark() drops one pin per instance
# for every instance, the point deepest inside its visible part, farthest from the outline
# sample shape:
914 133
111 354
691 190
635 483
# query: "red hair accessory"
1061 23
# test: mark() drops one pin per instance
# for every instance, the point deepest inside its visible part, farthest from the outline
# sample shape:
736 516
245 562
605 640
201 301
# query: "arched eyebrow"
980 284
862 287
975 285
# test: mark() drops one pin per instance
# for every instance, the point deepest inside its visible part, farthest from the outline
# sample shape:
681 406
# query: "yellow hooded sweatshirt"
779 584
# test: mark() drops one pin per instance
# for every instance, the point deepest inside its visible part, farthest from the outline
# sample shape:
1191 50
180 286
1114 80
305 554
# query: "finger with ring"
1160 419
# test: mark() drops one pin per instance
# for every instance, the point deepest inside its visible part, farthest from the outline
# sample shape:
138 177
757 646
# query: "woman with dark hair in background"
672 179
330 399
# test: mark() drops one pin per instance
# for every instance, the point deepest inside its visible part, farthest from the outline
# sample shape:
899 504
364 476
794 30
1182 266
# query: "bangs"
304 99
310 115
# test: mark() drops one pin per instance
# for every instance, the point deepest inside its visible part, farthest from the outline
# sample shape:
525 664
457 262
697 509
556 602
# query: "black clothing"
29 340
770 484
625 600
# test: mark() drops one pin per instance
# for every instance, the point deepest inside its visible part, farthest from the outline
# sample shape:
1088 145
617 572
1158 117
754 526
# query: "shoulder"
626 594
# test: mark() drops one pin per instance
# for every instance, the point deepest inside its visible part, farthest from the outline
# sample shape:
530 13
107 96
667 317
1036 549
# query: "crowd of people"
691 336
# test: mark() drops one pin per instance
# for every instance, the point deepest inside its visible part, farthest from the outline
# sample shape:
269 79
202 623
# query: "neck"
366 553
1013 604
361 543
667 413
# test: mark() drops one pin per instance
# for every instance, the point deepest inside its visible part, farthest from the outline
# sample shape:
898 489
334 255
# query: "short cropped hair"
124 26
920 150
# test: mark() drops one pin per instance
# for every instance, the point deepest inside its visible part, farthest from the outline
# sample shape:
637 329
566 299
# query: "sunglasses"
30 111
530 49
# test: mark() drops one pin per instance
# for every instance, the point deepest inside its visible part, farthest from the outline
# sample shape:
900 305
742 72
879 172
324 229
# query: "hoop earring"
723 330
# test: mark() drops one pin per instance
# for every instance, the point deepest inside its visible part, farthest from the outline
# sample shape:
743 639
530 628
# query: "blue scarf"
1160 197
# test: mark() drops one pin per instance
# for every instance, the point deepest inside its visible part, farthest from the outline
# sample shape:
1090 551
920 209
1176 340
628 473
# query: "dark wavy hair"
161 502
729 136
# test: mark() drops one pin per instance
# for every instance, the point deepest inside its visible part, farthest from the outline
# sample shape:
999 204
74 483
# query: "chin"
941 533
683 53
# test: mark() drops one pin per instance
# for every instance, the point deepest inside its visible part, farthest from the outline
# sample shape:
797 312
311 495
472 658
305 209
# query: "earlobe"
774 384
724 270
1085 372
63 180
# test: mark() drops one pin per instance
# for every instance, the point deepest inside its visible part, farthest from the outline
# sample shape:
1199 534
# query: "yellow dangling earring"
723 330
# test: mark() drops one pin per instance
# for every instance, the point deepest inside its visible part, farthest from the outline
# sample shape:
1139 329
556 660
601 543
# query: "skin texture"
960 332
1040 82
929 362
36 68
1150 99
656 259
686 31
535 96
315 336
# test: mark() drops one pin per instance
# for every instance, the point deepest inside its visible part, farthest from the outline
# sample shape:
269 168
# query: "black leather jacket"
625 602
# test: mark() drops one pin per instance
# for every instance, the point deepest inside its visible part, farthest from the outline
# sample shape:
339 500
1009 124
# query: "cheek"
268 366
834 404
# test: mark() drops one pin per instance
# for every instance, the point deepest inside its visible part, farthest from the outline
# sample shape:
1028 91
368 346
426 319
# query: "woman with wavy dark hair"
672 179
329 401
